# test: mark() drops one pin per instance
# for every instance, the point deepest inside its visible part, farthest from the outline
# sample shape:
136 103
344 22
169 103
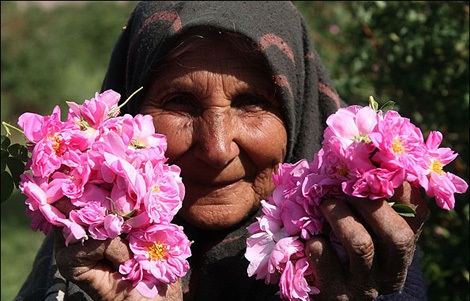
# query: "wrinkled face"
224 130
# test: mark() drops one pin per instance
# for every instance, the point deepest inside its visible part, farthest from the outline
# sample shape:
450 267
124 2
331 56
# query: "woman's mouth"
216 185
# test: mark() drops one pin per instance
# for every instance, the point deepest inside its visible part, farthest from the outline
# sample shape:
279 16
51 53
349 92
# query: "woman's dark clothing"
218 266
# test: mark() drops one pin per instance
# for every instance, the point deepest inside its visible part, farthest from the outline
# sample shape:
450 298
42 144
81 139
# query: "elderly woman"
237 88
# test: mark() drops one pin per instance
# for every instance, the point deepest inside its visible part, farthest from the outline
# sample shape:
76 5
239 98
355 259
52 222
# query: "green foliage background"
414 53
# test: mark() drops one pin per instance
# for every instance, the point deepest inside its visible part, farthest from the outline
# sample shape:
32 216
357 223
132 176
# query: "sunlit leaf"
373 104
403 210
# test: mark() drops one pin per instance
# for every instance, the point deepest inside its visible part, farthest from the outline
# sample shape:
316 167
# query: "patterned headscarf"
279 32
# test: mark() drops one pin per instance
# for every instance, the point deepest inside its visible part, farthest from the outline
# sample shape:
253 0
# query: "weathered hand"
379 246
93 266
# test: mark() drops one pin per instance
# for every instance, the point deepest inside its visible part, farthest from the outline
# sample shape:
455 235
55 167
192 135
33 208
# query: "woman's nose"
215 144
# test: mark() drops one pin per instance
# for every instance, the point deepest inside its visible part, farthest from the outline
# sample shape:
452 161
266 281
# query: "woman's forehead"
217 55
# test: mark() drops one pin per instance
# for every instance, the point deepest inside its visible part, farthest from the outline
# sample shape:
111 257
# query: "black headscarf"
218 267
276 27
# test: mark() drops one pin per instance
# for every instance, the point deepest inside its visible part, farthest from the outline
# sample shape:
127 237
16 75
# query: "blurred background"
415 53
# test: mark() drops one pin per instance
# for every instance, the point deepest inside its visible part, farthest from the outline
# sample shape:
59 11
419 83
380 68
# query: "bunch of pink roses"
366 153
110 174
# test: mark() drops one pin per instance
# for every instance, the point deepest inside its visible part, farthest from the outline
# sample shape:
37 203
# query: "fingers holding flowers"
79 260
94 266
393 242
376 246
344 264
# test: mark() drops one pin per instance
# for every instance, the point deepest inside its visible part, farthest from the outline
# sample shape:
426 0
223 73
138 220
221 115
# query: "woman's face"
224 129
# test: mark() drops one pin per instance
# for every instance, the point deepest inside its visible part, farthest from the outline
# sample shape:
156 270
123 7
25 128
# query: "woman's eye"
180 102
251 102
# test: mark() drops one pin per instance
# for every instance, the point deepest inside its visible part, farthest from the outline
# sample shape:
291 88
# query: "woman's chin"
212 208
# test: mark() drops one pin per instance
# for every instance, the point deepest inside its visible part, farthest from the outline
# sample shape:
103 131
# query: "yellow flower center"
436 166
56 146
397 147
157 251
156 189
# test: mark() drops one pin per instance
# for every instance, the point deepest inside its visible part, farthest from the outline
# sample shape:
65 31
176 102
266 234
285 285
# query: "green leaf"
5 142
373 104
403 210
19 151
4 155
389 105
7 186
16 167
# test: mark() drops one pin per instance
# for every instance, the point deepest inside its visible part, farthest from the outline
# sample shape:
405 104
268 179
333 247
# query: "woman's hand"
379 246
93 266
